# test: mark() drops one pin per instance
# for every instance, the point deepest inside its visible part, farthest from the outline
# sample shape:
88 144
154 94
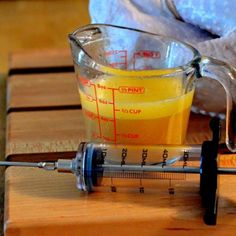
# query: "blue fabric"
215 16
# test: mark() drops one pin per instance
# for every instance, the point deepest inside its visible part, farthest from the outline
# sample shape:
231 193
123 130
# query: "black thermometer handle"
208 174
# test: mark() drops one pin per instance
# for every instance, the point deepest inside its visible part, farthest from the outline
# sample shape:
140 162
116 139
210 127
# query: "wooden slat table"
47 203
48 91
40 61
38 135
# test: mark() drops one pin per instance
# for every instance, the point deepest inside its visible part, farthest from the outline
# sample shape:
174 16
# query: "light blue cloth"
215 16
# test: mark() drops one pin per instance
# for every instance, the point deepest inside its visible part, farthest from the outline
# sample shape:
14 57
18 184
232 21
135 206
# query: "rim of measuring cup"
122 72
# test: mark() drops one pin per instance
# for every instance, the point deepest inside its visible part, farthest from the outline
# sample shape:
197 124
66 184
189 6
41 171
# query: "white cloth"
209 26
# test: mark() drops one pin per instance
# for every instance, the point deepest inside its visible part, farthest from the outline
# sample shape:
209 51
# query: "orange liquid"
163 130
136 111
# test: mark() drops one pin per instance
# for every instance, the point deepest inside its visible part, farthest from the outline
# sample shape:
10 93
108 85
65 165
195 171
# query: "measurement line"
126 60
107 119
144 175
114 114
157 168
117 63
107 139
99 121
112 88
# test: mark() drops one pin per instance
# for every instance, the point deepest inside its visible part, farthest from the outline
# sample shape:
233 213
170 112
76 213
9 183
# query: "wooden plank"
42 91
47 203
30 133
29 60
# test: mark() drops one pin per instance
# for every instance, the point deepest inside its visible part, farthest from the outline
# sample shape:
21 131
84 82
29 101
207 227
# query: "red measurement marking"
114 114
96 136
108 139
131 111
131 89
120 57
103 101
147 54
128 135
91 115
101 86
112 88
97 108
90 98
115 52
117 64
106 119
104 87
84 81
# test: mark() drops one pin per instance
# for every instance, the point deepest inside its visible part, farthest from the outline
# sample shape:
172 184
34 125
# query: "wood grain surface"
47 203
40 91
40 58
43 132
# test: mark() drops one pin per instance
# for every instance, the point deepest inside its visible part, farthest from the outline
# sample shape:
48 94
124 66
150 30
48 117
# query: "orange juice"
148 110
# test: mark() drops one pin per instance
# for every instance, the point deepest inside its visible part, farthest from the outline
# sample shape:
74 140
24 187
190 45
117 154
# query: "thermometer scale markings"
155 171
143 175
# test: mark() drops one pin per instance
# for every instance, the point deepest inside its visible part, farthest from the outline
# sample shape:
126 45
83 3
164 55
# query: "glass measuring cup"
137 87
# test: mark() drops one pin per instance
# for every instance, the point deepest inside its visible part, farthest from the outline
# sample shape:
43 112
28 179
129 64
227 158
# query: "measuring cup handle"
226 76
